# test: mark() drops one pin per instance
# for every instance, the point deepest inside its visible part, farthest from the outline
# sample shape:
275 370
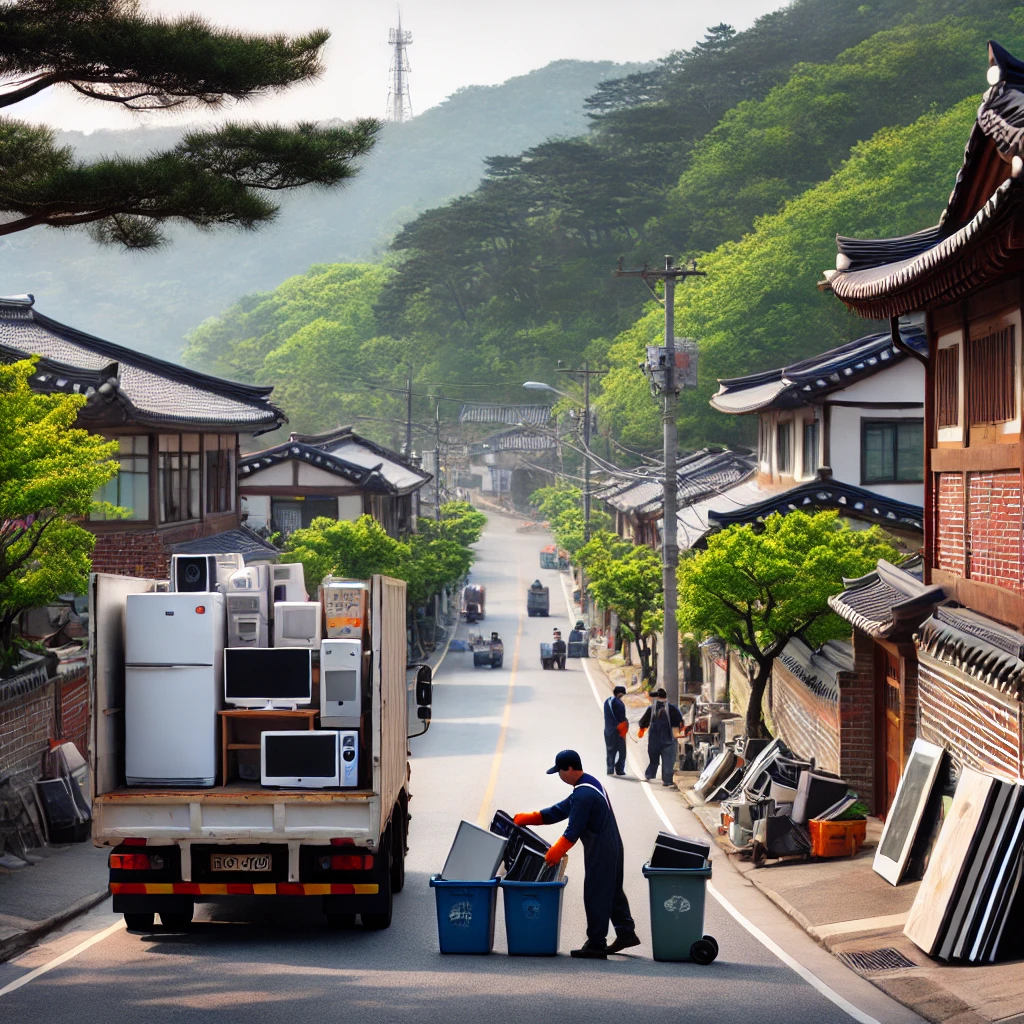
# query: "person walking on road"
616 726
558 648
592 822
662 720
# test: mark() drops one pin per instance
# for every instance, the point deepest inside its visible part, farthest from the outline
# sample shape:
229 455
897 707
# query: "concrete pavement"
493 734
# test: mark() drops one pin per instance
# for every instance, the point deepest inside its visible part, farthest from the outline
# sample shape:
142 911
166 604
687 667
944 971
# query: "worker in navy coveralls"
615 728
592 821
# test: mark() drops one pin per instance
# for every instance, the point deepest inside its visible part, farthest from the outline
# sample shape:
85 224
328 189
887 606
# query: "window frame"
184 479
786 429
223 469
815 426
135 456
896 422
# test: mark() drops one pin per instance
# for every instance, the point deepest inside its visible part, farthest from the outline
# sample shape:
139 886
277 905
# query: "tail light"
347 862
136 861
133 842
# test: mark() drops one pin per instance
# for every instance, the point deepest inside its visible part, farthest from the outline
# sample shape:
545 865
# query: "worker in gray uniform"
616 725
591 821
662 720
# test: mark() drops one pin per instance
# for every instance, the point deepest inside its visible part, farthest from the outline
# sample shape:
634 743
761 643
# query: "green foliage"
49 472
550 501
758 307
459 522
759 587
107 50
433 565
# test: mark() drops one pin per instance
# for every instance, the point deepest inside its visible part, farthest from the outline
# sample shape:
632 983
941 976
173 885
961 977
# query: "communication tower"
399 103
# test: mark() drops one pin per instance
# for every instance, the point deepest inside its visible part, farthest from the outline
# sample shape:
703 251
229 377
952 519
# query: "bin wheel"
703 952
176 922
713 941
341 922
139 922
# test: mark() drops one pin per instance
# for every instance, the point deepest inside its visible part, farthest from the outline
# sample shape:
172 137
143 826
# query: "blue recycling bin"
533 916
465 914
677 914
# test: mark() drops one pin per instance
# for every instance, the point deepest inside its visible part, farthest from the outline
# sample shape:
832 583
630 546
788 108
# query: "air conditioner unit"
287 582
247 629
341 683
228 563
297 624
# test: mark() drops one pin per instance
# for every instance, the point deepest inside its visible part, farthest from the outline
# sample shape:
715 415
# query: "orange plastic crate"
837 838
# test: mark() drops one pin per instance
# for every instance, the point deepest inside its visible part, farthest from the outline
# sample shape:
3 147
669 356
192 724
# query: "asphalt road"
493 734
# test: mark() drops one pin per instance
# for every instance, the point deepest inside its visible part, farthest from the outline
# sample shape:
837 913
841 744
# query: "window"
991 377
130 488
892 451
810 455
784 449
178 474
220 472
764 452
947 386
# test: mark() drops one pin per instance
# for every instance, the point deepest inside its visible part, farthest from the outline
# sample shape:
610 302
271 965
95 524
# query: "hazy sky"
455 43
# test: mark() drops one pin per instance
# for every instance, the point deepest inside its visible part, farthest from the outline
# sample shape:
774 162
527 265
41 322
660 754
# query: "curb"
17 943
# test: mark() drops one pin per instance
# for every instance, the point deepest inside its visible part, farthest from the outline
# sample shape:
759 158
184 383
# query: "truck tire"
139 922
341 922
380 920
175 922
398 849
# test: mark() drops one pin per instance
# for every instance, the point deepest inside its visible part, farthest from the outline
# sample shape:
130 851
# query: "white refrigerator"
174 682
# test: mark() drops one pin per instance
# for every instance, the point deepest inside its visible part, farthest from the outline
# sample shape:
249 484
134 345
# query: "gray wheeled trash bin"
677 914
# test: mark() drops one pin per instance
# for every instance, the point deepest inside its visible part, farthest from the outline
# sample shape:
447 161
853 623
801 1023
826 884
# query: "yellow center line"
484 817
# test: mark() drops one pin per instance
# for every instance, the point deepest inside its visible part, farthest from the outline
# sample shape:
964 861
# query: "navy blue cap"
566 759
619 689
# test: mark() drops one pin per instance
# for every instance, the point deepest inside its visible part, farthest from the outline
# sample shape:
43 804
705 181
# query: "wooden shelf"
243 746
248 722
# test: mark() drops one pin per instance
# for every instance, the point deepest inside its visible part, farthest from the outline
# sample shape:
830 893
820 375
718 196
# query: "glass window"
810 454
220 472
178 476
892 451
130 488
785 447
765 446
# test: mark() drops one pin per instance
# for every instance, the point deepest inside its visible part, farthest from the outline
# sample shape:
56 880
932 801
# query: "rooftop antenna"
399 103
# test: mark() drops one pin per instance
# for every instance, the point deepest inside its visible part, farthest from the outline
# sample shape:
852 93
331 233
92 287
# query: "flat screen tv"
304 760
268 677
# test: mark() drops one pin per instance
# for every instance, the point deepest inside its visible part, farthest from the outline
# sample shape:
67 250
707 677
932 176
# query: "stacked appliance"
174 647
248 606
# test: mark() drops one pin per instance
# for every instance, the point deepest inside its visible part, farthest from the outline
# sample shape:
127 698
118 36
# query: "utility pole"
437 461
586 373
664 382
408 413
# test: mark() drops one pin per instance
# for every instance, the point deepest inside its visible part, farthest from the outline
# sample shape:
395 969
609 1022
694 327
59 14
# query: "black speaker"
194 574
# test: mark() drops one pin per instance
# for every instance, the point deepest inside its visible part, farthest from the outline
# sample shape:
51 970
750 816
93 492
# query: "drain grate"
887 959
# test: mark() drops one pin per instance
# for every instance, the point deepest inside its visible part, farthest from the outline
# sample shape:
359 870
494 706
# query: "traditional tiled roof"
345 443
818 669
808 379
889 603
149 390
815 495
241 539
693 521
509 415
977 646
974 240
371 479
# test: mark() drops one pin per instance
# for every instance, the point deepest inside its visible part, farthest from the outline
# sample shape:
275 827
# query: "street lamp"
537 385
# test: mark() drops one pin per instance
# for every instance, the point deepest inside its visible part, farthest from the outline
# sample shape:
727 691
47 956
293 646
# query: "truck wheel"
398 852
175 922
378 922
341 922
139 922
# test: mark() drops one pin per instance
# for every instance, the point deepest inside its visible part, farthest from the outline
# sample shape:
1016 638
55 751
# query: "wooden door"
892 732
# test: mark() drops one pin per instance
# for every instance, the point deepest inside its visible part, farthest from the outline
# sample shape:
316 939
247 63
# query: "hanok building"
339 474
178 435
965 274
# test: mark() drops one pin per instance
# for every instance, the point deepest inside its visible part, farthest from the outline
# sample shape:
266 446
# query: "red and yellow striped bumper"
242 889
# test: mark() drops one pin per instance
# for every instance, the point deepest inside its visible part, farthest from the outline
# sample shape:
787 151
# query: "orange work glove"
529 818
641 733
559 848
623 728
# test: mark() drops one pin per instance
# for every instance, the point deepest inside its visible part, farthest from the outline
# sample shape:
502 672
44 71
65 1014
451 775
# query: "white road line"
62 959
773 947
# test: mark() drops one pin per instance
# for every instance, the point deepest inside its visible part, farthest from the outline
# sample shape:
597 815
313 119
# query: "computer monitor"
304 760
297 624
268 677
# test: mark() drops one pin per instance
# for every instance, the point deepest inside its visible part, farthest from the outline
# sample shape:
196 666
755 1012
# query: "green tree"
108 51
758 587
459 522
49 472
434 565
627 582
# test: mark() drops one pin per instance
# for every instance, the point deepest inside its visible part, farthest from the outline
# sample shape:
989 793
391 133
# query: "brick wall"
74 710
857 730
807 723
995 528
979 726
26 724
949 534
147 553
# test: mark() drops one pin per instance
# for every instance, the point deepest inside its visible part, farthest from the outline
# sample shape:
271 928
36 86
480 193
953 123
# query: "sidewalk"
858 916
34 900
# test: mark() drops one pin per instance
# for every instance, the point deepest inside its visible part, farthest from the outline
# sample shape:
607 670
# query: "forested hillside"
749 151
151 301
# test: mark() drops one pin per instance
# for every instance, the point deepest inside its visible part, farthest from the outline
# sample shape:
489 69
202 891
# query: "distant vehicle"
473 602
549 557
488 651
538 600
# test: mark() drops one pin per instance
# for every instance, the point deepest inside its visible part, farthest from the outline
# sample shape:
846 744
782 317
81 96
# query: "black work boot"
590 951
623 940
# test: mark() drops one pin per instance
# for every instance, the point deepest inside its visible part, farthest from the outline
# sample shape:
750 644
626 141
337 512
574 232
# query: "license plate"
239 861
